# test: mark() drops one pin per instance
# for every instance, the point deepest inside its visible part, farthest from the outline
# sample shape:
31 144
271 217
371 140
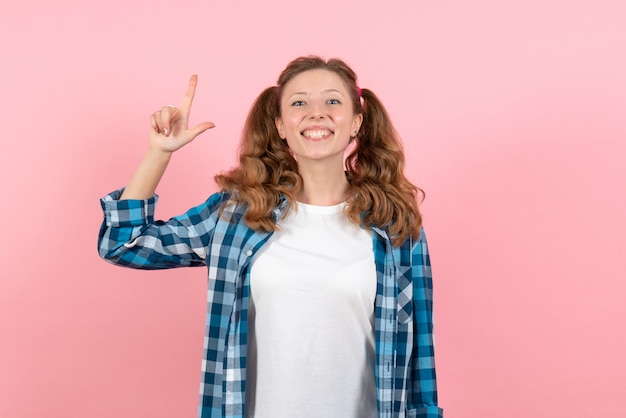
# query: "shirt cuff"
427 412
128 212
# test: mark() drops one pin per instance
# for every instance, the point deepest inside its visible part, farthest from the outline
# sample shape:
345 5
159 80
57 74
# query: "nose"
316 111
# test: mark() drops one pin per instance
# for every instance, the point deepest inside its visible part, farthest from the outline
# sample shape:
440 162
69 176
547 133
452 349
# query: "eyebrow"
323 92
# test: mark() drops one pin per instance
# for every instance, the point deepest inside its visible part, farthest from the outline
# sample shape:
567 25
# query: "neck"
323 186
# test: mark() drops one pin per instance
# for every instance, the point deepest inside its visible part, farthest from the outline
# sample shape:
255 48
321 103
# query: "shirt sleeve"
130 237
424 381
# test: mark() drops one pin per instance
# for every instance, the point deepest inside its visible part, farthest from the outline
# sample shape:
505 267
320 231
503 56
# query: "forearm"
144 182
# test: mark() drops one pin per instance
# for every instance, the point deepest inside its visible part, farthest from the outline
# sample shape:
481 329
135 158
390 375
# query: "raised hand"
170 126
169 132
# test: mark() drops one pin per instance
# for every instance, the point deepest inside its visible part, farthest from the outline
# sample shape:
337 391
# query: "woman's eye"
298 103
333 101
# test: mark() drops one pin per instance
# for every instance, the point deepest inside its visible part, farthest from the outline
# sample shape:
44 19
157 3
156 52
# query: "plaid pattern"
405 368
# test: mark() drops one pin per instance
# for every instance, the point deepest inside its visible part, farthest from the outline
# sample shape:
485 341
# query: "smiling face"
317 117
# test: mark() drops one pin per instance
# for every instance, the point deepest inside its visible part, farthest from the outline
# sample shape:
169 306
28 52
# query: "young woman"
320 288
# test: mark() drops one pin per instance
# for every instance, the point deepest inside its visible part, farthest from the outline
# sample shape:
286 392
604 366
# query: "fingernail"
165 131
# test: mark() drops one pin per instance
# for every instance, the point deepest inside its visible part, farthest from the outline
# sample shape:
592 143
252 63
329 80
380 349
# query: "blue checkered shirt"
405 367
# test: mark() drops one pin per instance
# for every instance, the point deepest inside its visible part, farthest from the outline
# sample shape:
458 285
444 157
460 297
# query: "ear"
279 126
356 122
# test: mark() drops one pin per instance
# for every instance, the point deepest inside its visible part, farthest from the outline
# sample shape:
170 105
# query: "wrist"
158 156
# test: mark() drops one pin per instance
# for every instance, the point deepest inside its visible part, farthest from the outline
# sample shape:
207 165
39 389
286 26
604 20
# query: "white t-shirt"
311 337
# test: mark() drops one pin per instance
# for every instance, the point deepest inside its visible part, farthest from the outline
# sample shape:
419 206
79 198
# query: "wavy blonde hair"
267 171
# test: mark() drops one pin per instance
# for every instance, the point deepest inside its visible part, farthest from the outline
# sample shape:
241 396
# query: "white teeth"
316 134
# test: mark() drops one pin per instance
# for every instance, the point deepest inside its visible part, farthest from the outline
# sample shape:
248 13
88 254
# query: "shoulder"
223 206
220 202
215 208
218 199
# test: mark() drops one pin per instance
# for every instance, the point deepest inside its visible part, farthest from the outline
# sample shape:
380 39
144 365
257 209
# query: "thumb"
201 127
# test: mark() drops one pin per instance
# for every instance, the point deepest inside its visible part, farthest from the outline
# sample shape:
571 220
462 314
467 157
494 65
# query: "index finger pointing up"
189 94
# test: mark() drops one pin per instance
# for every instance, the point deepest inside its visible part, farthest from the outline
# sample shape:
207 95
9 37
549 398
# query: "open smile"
316 134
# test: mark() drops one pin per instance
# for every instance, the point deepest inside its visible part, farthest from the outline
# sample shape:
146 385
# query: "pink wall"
513 116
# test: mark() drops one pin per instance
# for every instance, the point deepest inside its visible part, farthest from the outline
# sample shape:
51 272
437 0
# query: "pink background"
513 118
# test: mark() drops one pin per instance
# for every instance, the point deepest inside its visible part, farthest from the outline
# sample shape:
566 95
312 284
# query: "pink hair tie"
358 90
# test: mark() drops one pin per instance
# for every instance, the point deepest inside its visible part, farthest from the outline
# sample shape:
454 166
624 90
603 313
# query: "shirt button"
249 253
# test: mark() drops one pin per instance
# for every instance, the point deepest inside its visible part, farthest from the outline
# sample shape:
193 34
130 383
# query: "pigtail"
267 171
383 195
